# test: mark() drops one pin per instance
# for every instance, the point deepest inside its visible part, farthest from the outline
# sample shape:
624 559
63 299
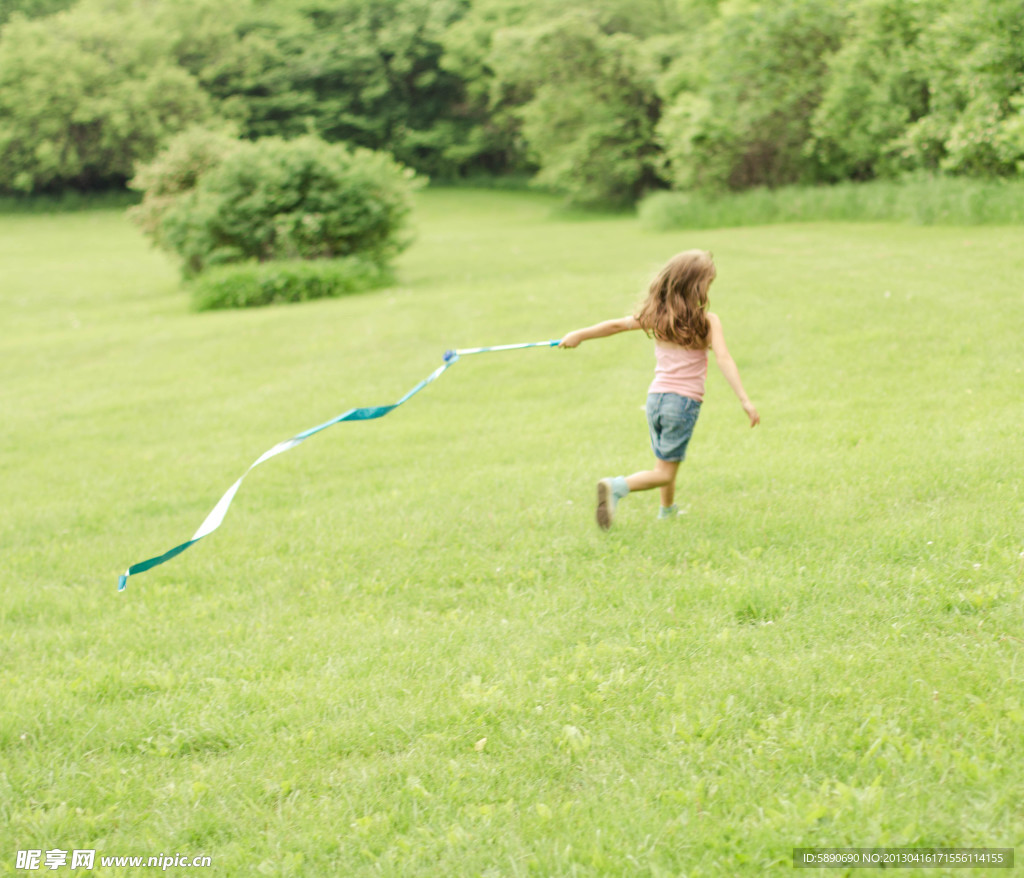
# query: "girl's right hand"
572 340
755 418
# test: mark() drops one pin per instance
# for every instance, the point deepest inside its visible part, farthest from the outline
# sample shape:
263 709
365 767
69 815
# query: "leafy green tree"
589 120
877 86
365 72
926 85
84 96
375 75
489 103
250 58
744 119
497 88
974 56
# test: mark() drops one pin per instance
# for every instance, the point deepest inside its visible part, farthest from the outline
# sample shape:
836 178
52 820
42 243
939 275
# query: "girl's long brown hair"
675 309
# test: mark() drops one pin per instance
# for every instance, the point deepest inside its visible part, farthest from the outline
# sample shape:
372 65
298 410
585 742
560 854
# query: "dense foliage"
214 201
602 100
82 98
31 8
285 280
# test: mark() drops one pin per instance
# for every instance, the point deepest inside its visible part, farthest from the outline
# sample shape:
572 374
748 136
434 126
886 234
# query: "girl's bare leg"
663 476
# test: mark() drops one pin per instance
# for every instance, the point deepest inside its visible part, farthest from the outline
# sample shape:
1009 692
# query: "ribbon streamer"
216 516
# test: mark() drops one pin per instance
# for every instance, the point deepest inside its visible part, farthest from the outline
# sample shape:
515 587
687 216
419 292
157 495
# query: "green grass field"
410 652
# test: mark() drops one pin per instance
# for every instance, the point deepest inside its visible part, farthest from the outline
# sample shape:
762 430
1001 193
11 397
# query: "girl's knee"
667 469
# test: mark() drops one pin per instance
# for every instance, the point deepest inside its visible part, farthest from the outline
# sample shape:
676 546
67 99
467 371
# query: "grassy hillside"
409 651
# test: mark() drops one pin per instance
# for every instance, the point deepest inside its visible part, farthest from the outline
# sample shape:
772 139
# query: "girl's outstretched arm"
599 330
729 368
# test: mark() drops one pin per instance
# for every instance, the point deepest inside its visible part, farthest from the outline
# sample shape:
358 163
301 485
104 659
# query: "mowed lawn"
409 651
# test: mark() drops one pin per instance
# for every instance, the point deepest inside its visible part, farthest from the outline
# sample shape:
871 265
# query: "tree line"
602 100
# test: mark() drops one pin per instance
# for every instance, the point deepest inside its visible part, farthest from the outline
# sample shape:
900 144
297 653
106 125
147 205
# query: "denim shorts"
671 419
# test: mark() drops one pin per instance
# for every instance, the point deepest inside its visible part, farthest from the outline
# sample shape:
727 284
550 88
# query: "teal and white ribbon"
503 347
216 516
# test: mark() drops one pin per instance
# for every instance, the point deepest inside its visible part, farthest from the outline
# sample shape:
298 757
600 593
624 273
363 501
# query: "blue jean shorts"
671 419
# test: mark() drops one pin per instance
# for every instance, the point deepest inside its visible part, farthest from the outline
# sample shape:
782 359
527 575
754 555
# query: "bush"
270 283
298 199
175 172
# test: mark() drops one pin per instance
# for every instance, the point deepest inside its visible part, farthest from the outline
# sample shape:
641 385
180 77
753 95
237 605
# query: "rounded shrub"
291 280
276 199
175 172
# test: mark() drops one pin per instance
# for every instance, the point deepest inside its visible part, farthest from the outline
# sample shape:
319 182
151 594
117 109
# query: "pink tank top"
679 370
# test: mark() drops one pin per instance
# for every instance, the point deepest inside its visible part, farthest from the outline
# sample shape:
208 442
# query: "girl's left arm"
599 330
729 369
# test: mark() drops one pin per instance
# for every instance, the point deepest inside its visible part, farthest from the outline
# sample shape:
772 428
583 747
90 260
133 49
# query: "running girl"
675 314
